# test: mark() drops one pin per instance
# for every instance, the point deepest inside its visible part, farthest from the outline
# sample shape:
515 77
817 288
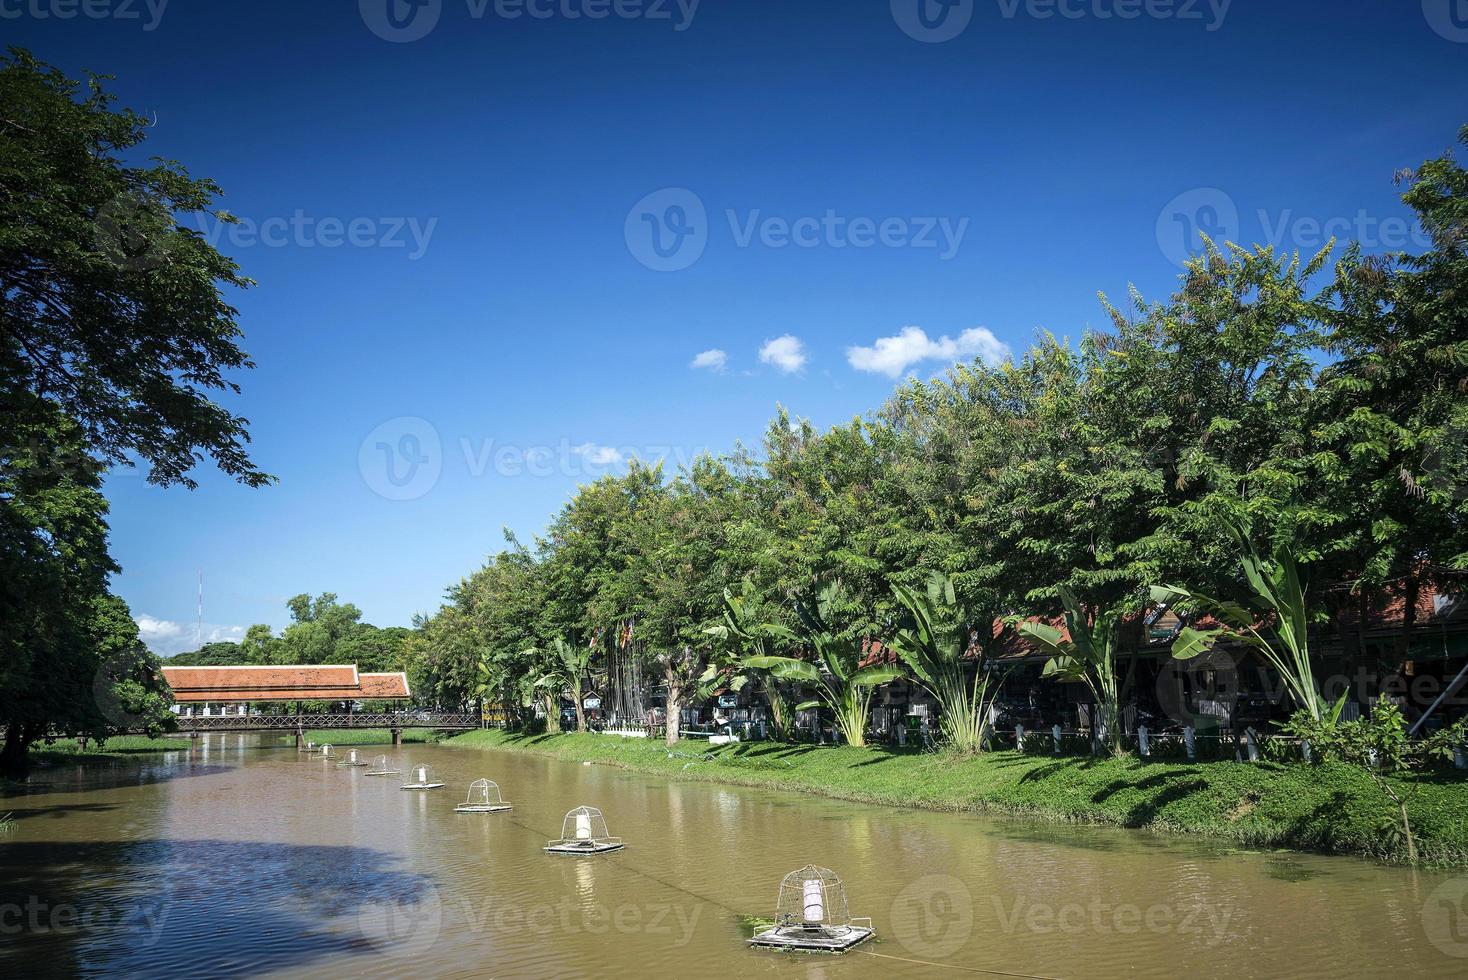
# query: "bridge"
395 722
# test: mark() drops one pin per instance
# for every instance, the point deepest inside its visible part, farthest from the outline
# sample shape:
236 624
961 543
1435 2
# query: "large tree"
111 310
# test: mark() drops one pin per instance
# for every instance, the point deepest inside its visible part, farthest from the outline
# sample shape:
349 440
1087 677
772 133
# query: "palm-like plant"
1087 655
842 684
1276 593
934 645
564 670
748 638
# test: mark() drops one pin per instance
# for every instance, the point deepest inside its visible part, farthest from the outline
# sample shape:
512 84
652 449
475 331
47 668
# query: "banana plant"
934 645
744 636
841 683
565 670
1275 593
1088 655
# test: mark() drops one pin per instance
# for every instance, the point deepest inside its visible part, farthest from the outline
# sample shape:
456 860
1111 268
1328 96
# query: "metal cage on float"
326 749
382 768
584 831
353 758
811 914
420 776
484 797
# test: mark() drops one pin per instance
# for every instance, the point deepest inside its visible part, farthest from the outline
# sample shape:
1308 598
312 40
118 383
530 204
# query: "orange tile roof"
385 685
283 683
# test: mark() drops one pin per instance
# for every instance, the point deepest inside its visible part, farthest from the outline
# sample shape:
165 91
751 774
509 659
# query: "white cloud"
894 355
165 637
598 455
787 353
712 360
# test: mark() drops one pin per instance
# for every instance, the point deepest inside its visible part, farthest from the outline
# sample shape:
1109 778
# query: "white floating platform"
483 807
812 940
348 765
584 847
385 772
422 786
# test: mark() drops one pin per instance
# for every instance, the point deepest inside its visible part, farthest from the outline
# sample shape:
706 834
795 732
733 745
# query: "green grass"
1331 809
117 747
362 736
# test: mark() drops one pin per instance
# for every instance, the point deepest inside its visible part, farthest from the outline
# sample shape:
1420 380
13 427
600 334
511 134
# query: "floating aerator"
421 777
811 915
584 832
484 797
380 768
352 759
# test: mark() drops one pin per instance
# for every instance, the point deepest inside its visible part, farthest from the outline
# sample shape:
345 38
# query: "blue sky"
452 220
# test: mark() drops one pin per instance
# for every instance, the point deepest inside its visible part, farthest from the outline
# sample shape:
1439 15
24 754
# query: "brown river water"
243 858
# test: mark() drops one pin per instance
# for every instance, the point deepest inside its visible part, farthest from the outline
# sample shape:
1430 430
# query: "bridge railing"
237 723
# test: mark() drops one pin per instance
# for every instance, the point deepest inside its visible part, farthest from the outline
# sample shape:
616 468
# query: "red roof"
385 685
338 682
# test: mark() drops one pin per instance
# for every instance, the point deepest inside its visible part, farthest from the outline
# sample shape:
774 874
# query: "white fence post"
1055 735
1019 738
1305 750
1252 745
1189 743
1142 745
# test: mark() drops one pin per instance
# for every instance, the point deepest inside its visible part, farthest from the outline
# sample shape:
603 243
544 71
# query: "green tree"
1084 652
934 644
112 311
842 684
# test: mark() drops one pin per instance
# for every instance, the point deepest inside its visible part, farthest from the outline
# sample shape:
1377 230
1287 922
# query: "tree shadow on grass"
170 907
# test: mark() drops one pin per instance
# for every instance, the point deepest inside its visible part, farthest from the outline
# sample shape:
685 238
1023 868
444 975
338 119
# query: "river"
242 857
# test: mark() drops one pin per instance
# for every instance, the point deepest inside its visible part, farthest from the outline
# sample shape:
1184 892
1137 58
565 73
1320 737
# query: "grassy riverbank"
117 747
1332 809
